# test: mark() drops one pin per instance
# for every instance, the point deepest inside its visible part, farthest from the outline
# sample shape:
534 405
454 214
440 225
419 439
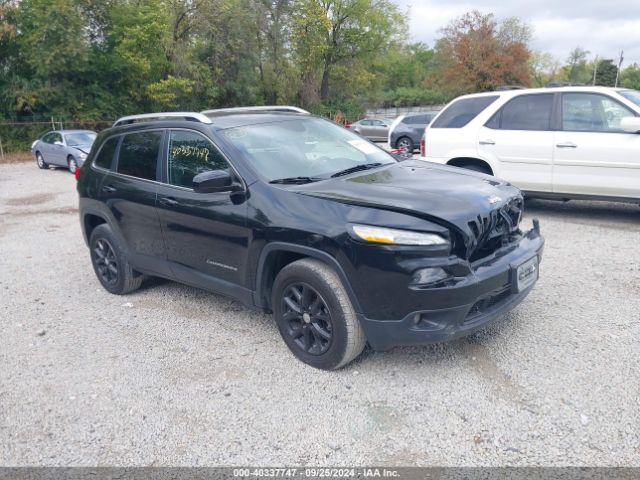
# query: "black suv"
294 215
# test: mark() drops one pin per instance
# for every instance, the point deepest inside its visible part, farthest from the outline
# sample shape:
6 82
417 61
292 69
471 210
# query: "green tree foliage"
606 73
630 77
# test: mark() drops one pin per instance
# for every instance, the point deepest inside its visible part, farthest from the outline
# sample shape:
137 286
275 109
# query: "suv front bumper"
485 295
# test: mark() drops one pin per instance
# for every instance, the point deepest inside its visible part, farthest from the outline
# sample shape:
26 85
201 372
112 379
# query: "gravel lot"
172 375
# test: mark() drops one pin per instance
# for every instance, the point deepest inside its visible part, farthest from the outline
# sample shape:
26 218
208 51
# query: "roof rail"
218 112
504 88
190 116
555 84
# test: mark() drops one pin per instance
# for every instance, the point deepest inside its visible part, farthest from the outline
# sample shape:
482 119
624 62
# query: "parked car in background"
375 129
567 142
63 148
406 131
295 215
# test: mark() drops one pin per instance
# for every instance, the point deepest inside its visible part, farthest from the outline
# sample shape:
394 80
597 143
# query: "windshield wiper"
295 180
357 168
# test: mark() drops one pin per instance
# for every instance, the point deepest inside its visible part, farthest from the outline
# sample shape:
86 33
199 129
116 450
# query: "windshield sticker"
187 151
364 146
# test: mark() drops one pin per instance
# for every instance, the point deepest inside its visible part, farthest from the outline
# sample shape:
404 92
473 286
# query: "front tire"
40 161
72 164
315 316
110 262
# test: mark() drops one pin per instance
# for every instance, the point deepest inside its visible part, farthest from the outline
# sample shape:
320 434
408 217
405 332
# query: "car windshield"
305 148
80 138
633 95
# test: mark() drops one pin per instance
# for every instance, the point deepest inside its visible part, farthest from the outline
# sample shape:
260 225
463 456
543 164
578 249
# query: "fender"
93 207
472 153
309 252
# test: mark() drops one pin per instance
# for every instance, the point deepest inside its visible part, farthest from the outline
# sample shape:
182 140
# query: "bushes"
413 96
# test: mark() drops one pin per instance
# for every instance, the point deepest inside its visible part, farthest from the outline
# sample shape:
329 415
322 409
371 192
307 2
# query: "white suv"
567 142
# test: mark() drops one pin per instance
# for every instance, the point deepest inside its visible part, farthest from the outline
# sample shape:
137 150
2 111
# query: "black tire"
477 168
325 332
40 161
405 142
110 262
72 164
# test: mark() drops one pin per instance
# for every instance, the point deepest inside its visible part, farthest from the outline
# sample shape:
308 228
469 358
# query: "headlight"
391 236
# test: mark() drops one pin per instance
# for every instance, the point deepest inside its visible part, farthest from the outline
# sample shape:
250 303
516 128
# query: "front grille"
492 231
487 304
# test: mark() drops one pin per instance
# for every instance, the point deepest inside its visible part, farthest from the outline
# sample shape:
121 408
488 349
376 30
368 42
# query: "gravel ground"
172 375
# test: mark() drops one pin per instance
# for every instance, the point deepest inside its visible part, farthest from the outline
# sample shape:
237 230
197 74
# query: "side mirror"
214 181
630 124
59 143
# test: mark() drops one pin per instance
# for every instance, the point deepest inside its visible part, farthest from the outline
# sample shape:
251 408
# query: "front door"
205 233
592 154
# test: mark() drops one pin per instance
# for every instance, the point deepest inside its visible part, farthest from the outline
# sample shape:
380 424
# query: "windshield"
80 138
304 147
633 95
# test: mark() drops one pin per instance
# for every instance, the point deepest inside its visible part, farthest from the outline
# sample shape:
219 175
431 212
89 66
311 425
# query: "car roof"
526 91
70 131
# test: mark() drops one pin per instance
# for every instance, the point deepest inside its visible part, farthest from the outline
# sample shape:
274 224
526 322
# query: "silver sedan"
375 129
63 148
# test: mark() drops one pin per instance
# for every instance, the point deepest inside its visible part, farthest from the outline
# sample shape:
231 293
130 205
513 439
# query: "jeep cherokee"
294 215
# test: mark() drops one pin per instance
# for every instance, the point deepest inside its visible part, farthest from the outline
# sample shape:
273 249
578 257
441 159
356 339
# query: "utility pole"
595 70
619 66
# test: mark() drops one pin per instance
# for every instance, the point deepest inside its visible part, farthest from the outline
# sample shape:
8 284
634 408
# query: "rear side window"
106 153
416 120
190 154
526 112
461 112
139 154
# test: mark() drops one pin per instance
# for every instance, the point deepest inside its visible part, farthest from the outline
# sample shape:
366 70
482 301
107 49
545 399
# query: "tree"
476 54
333 33
630 77
544 68
577 69
606 73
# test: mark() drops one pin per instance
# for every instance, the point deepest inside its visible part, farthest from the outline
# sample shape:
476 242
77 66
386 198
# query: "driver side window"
189 155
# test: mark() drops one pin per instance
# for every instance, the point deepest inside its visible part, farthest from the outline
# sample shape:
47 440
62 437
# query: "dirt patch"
16 157
31 199
48 211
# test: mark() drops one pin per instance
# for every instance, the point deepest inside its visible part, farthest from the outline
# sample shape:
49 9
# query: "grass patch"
16 157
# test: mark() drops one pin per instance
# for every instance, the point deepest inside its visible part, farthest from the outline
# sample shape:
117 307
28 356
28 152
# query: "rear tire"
110 262
405 143
40 161
315 316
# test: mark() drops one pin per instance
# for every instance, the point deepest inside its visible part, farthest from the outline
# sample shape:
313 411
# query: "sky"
603 27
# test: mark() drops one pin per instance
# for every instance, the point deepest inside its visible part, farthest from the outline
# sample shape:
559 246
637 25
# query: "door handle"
567 145
487 142
168 201
109 189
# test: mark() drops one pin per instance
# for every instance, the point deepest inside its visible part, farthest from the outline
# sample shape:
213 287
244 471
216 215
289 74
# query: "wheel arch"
276 255
465 161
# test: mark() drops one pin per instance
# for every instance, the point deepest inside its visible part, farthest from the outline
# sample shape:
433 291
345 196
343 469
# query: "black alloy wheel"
308 318
105 260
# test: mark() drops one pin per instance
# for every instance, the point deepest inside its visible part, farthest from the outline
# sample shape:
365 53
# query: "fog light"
426 276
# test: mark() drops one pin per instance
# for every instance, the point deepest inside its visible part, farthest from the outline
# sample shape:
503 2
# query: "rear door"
130 194
592 154
519 140
205 233
378 130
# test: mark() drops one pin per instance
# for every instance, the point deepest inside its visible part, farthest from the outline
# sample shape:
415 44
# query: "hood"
475 205
83 148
